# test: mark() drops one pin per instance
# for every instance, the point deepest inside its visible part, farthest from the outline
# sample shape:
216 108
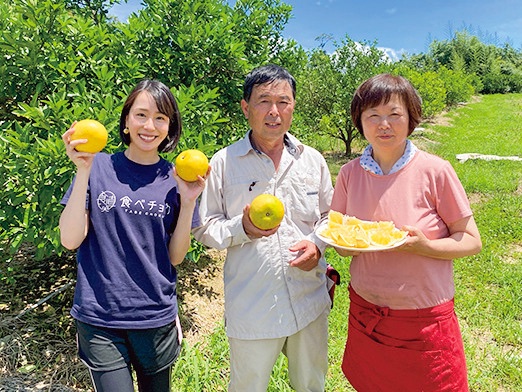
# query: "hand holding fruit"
262 217
191 170
190 191
92 134
250 229
417 242
80 159
82 140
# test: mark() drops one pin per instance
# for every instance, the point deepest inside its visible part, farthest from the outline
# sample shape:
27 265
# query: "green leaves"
328 83
32 183
496 69
66 60
201 118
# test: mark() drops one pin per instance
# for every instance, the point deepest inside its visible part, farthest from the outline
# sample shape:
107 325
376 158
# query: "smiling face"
147 126
386 127
270 109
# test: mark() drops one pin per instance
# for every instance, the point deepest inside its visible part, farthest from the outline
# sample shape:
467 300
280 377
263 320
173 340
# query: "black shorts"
149 351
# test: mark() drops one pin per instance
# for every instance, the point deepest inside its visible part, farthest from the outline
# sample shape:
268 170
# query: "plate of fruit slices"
350 233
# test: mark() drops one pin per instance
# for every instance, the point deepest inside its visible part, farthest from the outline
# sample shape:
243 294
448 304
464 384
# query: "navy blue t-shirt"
125 278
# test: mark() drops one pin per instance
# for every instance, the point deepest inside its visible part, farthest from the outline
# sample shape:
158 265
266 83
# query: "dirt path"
201 296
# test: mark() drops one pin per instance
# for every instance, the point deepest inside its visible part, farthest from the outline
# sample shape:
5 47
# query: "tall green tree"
328 83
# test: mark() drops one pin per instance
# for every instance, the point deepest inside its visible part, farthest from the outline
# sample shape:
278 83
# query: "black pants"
112 353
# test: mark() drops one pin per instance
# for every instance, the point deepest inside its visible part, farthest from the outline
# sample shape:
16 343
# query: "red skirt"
404 350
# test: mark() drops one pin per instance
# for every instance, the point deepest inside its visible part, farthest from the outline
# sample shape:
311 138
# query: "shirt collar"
292 144
368 163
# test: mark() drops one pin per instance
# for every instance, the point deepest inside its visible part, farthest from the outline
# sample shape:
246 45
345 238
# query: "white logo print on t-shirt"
106 200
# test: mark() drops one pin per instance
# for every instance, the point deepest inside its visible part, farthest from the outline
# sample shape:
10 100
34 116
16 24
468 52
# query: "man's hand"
308 255
251 230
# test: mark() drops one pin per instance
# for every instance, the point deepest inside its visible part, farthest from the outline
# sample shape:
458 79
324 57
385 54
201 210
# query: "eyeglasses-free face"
386 128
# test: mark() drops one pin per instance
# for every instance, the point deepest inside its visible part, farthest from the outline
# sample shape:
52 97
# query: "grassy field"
489 285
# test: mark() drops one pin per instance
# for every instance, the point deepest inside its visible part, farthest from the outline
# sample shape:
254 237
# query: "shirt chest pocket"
303 197
240 191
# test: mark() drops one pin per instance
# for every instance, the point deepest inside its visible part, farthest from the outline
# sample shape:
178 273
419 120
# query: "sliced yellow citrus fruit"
335 217
349 231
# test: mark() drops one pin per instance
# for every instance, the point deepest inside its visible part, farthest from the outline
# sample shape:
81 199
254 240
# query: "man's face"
270 109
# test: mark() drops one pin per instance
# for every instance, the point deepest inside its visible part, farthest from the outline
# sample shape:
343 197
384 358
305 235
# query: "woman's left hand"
190 191
415 242
463 240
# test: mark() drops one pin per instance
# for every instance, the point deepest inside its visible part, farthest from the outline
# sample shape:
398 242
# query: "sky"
398 26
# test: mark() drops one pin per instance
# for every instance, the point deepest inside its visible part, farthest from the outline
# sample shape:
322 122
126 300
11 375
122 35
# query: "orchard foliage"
328 82
64 60
327 85
493 69
56 67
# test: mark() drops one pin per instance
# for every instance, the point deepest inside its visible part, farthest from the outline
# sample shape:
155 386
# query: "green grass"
489 285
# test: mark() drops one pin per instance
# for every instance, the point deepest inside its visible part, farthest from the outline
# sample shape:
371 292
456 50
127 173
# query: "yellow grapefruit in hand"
94 132
266 211
190 164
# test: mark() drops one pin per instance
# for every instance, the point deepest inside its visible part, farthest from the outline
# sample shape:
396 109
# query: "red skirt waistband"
442 310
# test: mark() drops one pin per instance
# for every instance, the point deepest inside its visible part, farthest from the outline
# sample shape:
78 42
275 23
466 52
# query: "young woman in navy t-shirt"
129 216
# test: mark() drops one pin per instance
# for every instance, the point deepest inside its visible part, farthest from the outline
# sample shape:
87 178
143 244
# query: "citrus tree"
329 82
64 60
206 43
58 66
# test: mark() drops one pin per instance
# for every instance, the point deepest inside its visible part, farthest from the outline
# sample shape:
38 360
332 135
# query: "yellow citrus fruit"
335 219
362 239
266 211
345 239
352 221
387 237
190 164
95 133
381 238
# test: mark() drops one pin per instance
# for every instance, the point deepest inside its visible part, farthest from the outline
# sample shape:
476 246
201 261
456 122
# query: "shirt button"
289 279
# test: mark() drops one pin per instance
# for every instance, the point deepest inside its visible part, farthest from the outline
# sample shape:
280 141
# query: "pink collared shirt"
425 193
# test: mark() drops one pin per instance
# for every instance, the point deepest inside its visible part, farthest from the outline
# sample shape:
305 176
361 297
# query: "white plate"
371 248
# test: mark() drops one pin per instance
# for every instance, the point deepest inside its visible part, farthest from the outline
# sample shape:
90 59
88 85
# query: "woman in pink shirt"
403 334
